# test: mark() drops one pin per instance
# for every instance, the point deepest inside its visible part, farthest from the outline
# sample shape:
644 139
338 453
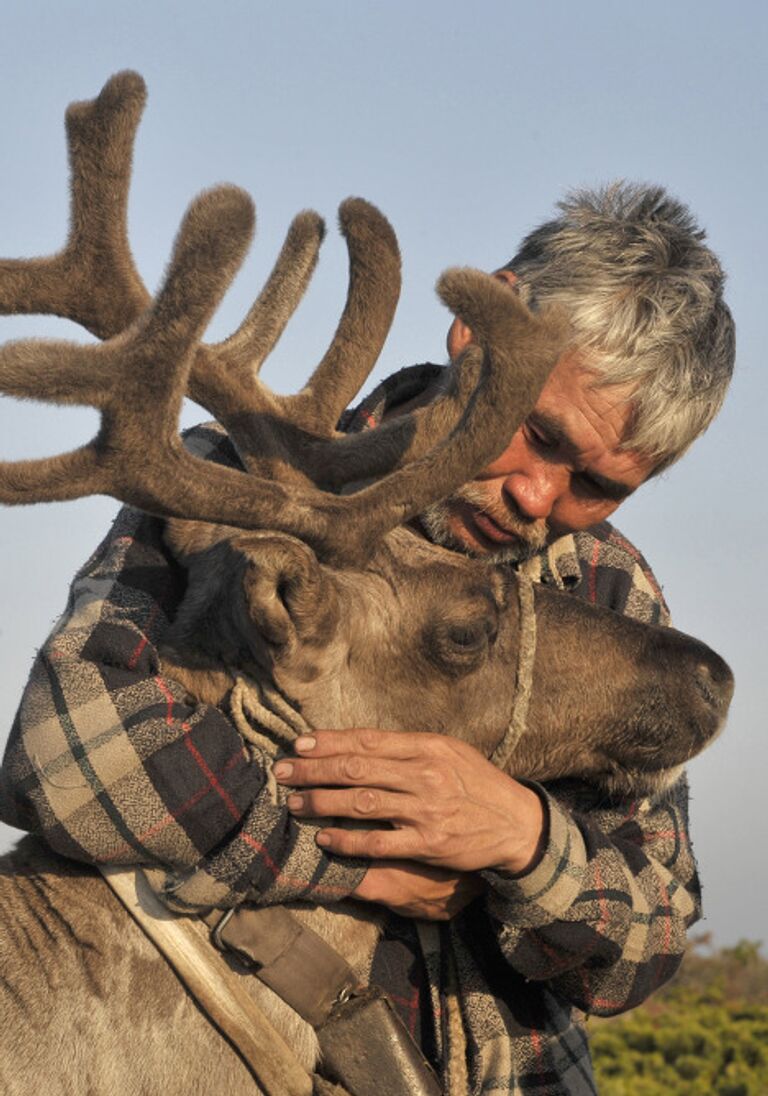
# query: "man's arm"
611 946
591 896
603 916
112 762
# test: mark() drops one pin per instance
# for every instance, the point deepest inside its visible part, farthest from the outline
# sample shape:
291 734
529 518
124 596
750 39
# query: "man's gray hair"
644 293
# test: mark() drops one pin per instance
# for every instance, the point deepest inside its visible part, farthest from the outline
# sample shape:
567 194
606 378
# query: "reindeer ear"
288 593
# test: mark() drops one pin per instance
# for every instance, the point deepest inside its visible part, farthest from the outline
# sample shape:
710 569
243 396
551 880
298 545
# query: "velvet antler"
93 279
153 355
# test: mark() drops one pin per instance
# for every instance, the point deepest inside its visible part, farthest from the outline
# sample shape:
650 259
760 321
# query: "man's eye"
587 487
539 438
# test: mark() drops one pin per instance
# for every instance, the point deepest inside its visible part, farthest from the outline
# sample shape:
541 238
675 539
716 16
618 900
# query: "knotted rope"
526 657
265 719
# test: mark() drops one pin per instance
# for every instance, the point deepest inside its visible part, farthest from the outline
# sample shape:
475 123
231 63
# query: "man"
546 899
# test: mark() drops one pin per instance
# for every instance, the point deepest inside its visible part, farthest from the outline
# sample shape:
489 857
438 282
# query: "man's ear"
459 335
459 338
505 275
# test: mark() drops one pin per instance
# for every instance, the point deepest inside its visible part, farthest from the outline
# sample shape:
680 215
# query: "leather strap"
366 1048
217 989
365 1045
287 956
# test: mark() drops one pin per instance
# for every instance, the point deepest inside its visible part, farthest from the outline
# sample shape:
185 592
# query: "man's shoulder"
210 441
132 569
616 574
398 388
601 566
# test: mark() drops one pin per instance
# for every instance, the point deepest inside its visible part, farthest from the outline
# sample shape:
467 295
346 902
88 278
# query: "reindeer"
300 563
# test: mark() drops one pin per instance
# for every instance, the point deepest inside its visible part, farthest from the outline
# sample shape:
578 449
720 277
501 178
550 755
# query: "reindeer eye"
467 636
459 646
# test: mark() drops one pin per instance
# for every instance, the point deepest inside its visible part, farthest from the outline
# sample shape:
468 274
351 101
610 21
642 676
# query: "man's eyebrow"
556 432
612 489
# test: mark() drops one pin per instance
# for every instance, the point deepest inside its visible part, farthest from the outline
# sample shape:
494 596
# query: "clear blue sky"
464 124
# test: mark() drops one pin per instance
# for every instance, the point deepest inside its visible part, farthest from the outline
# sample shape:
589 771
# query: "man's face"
562 471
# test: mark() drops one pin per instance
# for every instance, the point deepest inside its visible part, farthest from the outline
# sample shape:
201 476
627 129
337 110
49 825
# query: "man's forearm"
603 916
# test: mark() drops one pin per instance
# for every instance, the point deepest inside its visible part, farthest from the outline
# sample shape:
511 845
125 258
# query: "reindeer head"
298 563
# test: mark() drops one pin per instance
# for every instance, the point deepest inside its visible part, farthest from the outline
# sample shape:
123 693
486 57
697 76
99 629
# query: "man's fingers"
356 803
417 763
375 844
347 770
366 741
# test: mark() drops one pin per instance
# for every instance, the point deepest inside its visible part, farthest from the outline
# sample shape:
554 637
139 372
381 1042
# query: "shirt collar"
557 565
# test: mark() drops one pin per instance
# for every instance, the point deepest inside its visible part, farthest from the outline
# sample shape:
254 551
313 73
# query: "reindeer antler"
93 279
138 377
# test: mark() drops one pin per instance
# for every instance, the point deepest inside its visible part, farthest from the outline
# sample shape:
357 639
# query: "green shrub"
706 1033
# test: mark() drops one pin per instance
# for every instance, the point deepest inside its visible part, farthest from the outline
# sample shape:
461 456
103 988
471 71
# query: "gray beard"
436 523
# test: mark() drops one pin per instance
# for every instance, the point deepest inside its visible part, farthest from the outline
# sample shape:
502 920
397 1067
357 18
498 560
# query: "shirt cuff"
545 892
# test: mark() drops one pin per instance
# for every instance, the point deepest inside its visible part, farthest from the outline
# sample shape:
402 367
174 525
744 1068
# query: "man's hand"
416 890
437 800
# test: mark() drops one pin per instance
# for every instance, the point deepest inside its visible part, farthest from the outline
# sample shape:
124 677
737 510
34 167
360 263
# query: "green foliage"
705 1034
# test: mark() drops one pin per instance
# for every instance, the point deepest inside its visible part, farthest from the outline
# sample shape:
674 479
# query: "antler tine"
521 346
93 279
257 420
280 297
224 375
374 289
138 379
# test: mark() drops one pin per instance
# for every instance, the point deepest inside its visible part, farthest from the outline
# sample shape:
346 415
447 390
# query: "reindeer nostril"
282 590
714 680
704 683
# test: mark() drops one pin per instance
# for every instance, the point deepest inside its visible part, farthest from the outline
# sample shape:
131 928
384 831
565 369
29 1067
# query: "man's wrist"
530 832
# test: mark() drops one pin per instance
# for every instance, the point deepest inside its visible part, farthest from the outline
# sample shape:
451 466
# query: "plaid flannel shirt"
111 762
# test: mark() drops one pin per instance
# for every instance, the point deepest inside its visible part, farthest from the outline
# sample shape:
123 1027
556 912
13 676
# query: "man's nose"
535 490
